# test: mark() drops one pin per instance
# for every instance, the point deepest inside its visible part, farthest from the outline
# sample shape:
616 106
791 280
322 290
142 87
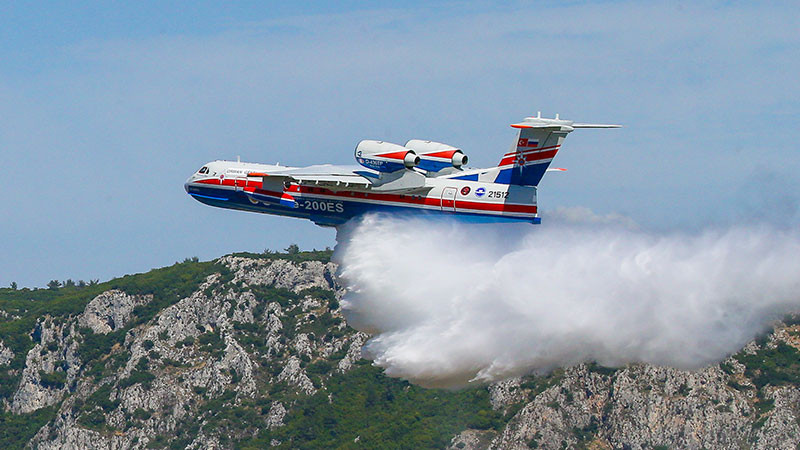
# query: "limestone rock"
53 357
275 416
295 376
110 311
233 345
282 273
6 355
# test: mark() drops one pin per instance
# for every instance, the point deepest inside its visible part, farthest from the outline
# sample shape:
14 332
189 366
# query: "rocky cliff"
253 351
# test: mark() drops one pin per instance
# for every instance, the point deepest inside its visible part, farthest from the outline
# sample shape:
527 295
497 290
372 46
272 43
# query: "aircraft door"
449 199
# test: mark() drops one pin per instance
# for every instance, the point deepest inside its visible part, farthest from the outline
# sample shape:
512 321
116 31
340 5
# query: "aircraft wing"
333 181
338 178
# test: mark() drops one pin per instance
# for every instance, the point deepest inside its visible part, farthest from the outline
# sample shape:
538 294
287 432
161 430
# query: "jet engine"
435 156
385 156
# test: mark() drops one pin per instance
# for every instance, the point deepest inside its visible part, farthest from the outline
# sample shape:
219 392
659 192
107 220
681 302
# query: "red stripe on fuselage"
400 200
234 182
415 200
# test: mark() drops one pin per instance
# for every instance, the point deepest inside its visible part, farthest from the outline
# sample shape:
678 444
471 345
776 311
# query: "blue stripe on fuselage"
327 213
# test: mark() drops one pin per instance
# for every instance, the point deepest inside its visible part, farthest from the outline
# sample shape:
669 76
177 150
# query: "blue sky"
106 108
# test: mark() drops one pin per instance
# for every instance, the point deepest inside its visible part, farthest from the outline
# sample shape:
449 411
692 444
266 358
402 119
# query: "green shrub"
385 412
96 345
137 376
323 256
249 327
16 430
141 414
321 367
601 370
94 420
101 398
187 342
775 367
53 380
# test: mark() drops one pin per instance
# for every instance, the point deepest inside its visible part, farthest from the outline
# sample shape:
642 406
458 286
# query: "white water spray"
449 304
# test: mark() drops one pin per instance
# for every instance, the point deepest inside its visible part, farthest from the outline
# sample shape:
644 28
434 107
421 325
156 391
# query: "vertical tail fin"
538 141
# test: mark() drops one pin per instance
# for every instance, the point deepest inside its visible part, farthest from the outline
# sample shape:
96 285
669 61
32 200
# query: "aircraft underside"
329 208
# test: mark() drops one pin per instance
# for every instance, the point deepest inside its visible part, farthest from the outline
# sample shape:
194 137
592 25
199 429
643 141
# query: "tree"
81 283
14 285
293 249
53 285
69 283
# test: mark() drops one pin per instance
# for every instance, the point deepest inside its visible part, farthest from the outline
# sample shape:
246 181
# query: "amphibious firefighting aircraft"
418 177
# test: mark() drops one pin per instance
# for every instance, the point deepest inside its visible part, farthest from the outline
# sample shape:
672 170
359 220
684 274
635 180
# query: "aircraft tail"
538 141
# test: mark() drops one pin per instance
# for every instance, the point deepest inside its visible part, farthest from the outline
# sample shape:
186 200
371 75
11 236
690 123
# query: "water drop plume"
448 304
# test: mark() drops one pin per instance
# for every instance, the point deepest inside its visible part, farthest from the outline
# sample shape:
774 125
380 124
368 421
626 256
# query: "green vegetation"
54 380
775 367
764 406
32 304
538 384
601 370
268 294
101 399
384 412
292 254
361 404
17 429
95 345
137 376
93 420
166 285
791 319
141 414
325 326
62 300
587 433
323 294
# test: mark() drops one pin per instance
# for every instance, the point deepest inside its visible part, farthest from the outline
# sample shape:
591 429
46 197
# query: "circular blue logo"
479 192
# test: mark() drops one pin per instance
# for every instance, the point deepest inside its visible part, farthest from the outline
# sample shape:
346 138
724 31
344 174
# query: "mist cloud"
449 304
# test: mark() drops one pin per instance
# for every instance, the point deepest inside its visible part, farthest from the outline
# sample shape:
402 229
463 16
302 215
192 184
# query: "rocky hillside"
251 351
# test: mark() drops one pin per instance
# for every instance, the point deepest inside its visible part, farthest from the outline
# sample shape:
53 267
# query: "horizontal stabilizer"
594 125
538 140
540 122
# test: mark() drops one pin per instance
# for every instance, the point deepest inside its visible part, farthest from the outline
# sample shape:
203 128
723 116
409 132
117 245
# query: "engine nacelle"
435 156
385 156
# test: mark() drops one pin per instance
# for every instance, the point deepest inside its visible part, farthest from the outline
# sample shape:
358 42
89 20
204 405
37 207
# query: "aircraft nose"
189 182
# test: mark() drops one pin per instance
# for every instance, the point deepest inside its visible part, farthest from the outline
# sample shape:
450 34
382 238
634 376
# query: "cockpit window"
203 170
